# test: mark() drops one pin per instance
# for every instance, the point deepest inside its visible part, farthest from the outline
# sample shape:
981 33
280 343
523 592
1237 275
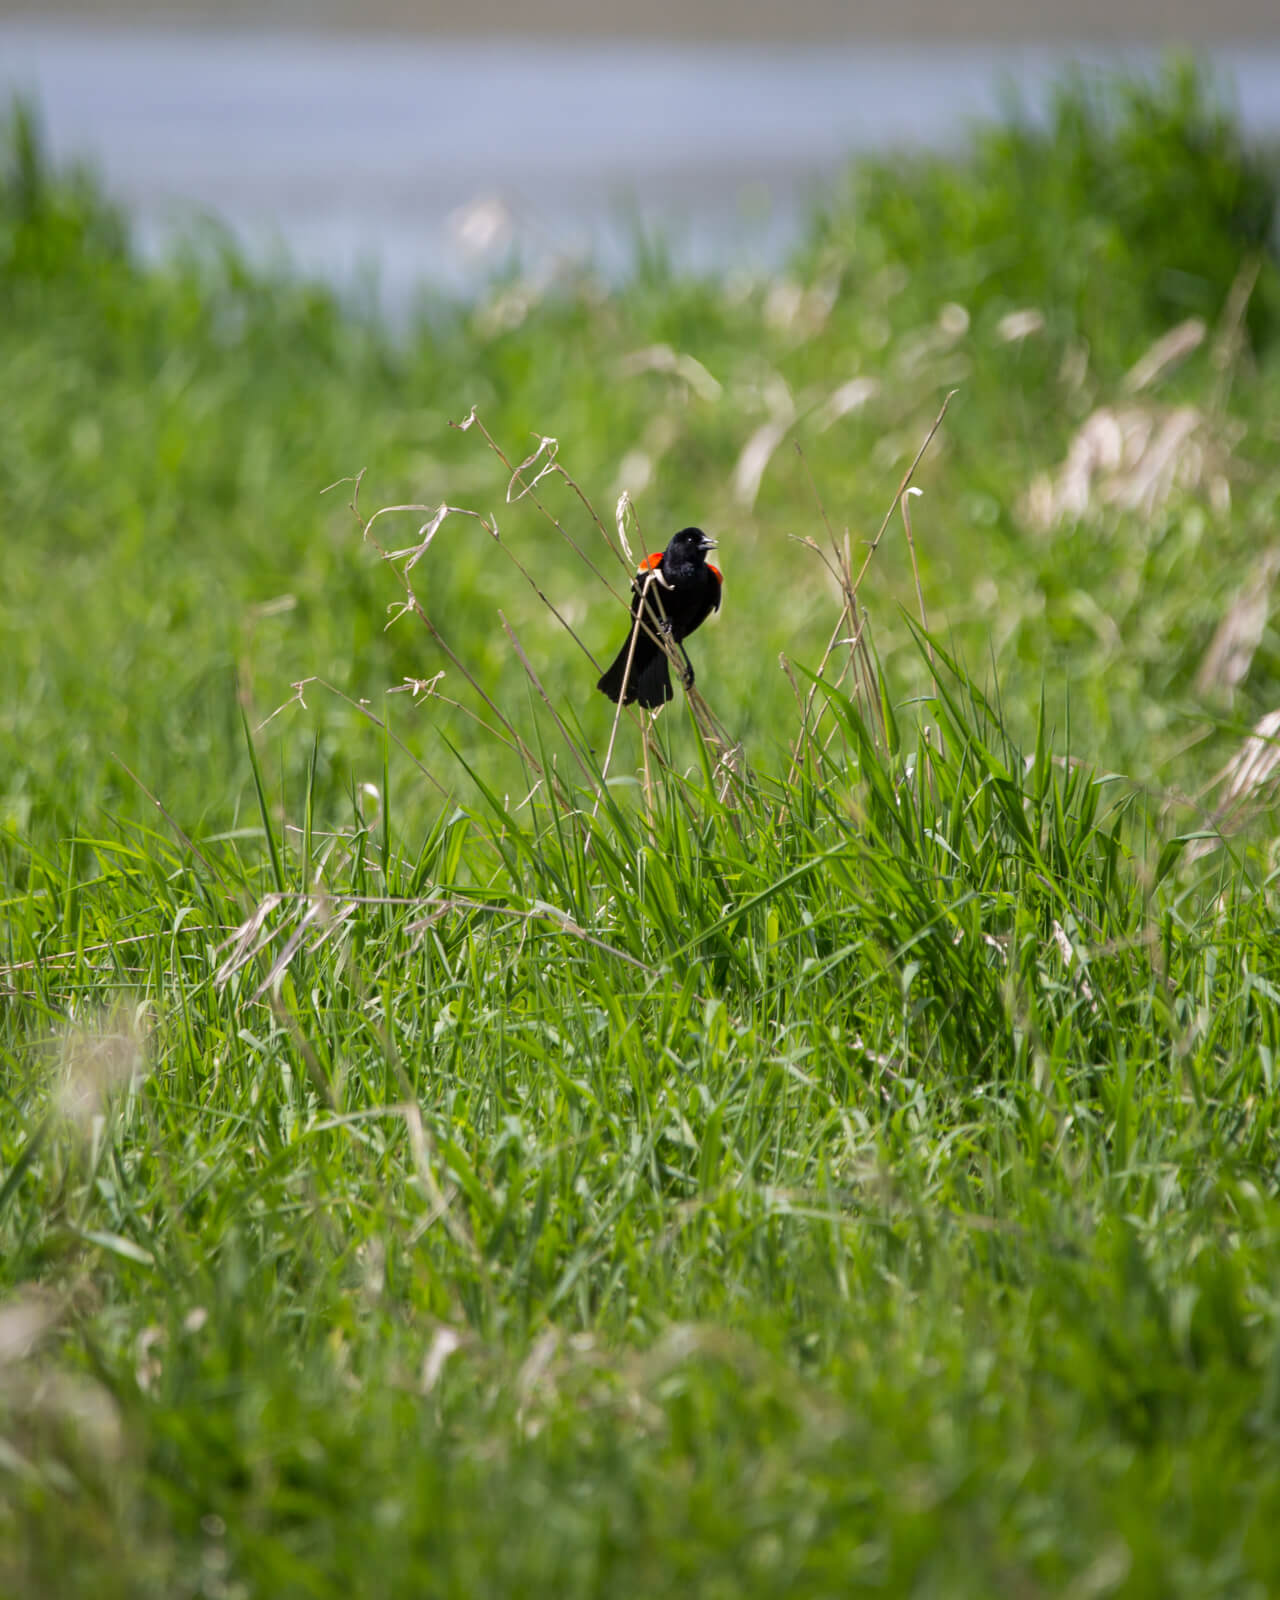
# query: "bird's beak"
709 544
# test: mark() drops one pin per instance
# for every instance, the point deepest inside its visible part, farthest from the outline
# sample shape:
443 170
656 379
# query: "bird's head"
689 547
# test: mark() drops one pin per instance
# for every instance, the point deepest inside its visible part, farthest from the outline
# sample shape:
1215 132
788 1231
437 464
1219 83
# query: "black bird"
678 589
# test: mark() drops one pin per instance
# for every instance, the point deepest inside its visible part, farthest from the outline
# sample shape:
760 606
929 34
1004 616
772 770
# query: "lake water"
430 160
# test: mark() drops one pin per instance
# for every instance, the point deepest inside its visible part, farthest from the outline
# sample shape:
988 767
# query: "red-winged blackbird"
679 589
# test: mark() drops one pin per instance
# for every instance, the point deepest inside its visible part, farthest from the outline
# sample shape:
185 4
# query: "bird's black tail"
649 684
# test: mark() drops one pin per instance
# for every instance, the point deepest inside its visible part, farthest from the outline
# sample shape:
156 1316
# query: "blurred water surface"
429 161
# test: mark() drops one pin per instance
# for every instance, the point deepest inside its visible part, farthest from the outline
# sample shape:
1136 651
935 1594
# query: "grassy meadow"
456 1143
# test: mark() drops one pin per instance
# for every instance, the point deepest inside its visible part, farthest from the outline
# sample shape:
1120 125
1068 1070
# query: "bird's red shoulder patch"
718 573
650 562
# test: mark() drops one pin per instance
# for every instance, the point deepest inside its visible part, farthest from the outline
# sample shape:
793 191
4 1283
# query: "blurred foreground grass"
430 1164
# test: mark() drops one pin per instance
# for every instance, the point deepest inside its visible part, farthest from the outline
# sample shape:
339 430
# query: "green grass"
811 1155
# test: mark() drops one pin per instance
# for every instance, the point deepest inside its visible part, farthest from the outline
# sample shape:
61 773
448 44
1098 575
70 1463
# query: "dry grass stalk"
905 504
662 358
1169 351
1229 341
1250 774
851 396
102 1056
1076 962
568 738
790 308
1230 654
411 605
320 917
515 473
324 915
419 688
858 659
24 1321
756 456
1131 458
1015 326
1248 786
924 623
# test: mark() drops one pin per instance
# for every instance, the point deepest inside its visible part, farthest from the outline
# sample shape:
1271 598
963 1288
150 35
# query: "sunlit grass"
822 1140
